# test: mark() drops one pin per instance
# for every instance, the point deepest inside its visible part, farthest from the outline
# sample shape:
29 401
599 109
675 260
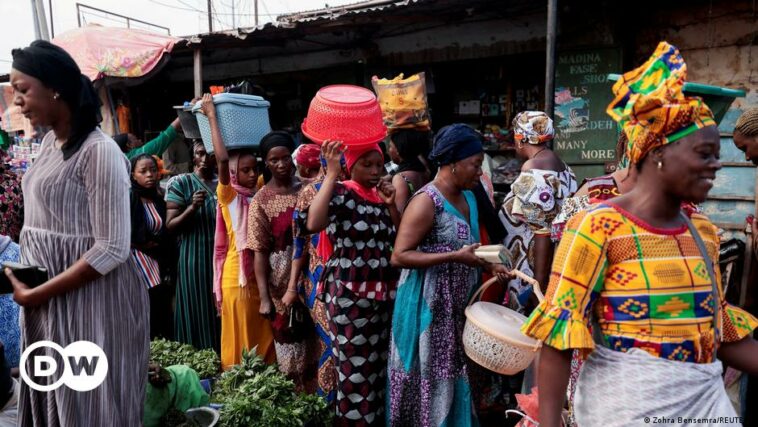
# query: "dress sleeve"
225 193
175 191
300 216
106 178
157 146
533 200
307 195
570 207
562 319
259 236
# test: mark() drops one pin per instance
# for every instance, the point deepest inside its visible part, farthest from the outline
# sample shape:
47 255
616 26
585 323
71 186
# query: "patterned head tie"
651 108
534 127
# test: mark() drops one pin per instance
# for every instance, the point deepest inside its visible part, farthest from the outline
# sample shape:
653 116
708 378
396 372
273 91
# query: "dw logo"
84 366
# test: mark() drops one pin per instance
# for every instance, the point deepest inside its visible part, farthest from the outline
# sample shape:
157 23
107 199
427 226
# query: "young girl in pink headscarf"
234 287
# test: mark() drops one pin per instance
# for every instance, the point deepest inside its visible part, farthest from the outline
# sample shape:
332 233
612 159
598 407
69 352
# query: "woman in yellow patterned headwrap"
645 275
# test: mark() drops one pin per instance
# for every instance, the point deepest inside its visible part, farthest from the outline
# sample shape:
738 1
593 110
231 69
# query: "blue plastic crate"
242 119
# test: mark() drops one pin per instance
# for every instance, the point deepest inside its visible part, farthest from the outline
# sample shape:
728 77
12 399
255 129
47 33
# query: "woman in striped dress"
76 194
150 249
191 213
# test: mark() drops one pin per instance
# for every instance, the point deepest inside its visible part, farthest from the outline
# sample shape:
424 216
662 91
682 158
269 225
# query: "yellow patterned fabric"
651 108
648 288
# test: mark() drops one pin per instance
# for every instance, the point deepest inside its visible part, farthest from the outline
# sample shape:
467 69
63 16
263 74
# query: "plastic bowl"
346 113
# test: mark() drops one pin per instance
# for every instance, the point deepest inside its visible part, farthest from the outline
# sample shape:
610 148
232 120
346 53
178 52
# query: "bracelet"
292 290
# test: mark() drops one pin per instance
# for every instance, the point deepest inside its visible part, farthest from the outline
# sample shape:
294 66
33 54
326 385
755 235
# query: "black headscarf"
57 70
277 138
410 145
455 142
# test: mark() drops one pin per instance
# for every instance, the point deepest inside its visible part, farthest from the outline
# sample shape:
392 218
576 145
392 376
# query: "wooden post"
198 71
552 29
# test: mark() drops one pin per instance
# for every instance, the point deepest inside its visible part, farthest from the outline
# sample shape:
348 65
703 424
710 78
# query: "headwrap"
239 224
275 139
534 127
352 154
308 156
410 145
455 142
57 70
122 140
650 106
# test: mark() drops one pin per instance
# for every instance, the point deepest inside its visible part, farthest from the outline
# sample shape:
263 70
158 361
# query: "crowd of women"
355 282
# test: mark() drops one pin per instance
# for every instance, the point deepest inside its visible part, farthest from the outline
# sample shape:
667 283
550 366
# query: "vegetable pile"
166 353
256 394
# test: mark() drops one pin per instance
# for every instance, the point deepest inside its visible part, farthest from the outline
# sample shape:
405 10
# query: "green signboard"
584 133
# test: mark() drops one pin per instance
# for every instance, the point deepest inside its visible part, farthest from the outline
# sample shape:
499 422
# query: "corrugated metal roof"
342 10
292 20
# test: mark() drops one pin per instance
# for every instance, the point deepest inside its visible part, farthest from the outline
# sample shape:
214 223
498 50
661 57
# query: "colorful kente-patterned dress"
529 209
358 286
649 288
270 231
305 246
429 381
196 321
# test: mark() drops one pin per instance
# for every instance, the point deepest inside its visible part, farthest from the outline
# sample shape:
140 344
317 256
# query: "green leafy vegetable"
256 394
166 353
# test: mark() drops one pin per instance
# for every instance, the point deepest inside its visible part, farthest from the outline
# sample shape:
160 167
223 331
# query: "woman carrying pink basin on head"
360 218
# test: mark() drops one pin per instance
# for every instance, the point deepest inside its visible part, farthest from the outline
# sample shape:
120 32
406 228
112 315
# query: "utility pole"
37 34
234 25
52 25
255 8
40 22
210 17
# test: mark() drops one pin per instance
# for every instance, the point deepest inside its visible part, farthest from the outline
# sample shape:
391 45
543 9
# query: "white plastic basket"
492 336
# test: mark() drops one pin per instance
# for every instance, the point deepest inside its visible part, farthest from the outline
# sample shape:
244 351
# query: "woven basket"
488 344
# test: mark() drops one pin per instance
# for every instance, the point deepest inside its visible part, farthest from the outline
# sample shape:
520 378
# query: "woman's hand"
218 306
332 152
501 272
465 255
266 308
207 106
387 192
198 199
23 294
290 297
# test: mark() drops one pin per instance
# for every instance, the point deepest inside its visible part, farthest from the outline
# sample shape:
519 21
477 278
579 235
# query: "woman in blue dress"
428 377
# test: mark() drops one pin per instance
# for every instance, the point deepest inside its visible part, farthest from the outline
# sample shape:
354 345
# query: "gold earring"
453 170
660 165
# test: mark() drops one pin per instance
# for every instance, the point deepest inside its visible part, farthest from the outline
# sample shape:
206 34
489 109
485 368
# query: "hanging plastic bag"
403 101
